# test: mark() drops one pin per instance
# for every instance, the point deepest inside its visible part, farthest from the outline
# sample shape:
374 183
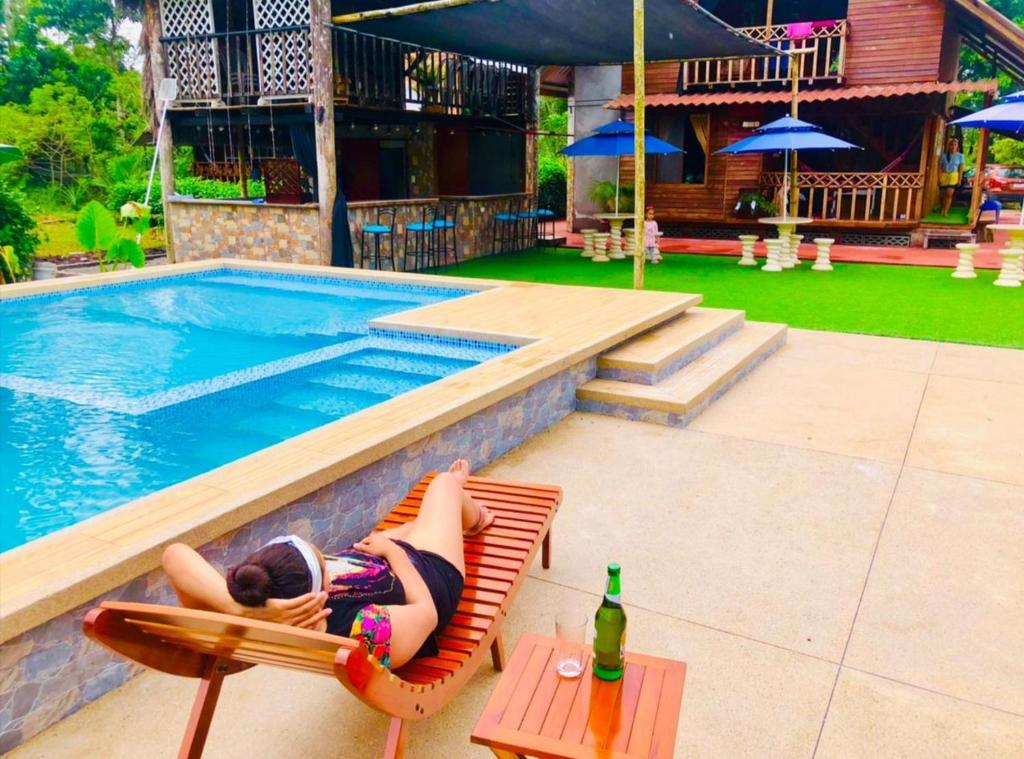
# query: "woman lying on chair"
394 589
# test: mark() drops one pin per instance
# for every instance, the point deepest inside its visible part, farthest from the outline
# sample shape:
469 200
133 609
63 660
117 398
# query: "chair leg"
391 247
498 652
198 727
398 734
545 551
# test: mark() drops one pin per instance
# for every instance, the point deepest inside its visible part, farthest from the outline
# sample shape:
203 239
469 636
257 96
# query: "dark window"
689 131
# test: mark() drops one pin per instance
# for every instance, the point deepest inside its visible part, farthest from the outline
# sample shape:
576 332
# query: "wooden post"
402 10
979 166
532 126
930 162
153 26
768 16
570 169
323 121
243 177
795 61
640 173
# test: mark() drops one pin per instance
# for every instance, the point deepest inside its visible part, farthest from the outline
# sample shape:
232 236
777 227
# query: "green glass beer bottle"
610 630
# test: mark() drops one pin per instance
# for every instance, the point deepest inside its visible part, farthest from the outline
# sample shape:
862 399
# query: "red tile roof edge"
808 96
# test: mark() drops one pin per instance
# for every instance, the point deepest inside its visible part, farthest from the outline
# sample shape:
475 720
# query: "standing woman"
951 168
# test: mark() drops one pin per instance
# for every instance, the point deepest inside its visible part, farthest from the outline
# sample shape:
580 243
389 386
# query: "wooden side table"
535 712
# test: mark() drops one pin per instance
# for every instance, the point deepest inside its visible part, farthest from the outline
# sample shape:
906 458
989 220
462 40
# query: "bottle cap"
613 569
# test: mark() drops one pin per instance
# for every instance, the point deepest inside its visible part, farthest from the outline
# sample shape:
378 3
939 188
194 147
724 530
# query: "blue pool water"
112 393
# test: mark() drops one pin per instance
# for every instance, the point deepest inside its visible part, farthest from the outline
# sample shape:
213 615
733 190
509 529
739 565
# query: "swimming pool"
110 393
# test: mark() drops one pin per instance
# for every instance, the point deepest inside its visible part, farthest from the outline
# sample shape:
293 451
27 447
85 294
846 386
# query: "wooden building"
272 90
879 73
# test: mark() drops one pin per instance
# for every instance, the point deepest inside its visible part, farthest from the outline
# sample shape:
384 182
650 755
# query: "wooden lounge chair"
210 646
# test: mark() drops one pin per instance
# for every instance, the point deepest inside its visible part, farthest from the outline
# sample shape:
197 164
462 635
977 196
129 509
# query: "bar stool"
504 228
772 262
601 247
419 241
965 263
446 220
545 216
588 243
527 232
823 262
747 243
385 226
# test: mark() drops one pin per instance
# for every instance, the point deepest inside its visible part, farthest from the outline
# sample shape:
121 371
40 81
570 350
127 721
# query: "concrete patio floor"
834 548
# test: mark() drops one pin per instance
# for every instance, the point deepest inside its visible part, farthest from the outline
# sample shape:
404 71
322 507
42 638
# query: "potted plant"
602 193
429 79
753 205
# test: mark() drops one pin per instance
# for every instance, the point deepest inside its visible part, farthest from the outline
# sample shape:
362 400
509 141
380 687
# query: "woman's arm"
200 586
412 622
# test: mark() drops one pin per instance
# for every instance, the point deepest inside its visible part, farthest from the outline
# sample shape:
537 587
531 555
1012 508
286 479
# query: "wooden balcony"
274 65
822 58
873 197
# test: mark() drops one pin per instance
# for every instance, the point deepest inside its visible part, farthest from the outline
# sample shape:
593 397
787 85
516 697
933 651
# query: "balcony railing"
272 65
822 48
376 72
886 197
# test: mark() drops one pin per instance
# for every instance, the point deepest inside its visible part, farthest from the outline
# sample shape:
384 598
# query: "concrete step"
678 398
652 356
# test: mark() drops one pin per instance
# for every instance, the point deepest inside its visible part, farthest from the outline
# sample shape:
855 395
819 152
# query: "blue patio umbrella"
784 135
1006 116
616 139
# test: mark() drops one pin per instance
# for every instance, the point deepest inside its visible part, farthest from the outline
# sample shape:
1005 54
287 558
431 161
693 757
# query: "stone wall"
203 229
53 670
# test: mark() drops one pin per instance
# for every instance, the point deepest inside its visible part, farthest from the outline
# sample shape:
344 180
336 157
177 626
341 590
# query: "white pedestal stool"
747 250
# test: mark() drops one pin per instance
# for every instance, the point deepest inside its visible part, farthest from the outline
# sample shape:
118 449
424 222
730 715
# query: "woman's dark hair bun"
249 584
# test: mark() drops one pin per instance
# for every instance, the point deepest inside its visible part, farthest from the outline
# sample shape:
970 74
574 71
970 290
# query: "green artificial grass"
897 301
957 215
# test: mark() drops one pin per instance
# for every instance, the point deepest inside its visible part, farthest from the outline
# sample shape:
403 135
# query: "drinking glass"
571 631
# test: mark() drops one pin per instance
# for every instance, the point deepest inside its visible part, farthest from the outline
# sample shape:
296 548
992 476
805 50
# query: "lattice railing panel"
192 59
855 196
286 67
282 178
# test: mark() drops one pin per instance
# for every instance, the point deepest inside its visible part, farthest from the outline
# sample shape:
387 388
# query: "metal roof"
806 96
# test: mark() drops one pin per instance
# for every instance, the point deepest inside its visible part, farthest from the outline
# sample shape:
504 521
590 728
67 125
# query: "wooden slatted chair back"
210 646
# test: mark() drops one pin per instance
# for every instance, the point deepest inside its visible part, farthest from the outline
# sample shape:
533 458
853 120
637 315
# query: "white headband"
308 554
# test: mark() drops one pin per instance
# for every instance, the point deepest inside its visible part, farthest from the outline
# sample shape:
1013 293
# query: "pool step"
678 398
660 352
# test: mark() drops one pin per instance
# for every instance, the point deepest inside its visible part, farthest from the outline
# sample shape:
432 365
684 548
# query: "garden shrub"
17 227
135 190
551 186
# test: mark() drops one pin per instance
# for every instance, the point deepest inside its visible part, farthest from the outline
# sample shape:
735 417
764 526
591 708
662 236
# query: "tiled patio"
834 548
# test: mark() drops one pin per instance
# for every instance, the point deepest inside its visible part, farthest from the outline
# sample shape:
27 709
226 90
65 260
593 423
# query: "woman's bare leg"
447 510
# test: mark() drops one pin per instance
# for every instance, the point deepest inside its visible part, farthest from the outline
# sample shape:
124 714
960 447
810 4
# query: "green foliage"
17 227
1008 151
135 190
98 233
554 119
95 228
603 194
754 204
551 186
10 266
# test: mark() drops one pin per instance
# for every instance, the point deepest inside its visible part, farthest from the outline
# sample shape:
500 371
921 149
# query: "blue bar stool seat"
384 228
419 242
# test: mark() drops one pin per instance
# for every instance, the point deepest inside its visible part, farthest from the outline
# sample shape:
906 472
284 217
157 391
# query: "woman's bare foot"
460 468
485 518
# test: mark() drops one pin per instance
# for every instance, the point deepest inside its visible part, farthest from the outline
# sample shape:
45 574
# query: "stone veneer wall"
203 229
474 230
53 670
419 152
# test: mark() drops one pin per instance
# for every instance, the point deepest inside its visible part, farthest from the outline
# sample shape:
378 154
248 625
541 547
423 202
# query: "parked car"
1005 183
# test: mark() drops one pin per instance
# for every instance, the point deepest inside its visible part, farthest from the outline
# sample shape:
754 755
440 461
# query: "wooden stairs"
671 373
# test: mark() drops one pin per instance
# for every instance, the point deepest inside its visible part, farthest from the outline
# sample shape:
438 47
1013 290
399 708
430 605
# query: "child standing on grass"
651 235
